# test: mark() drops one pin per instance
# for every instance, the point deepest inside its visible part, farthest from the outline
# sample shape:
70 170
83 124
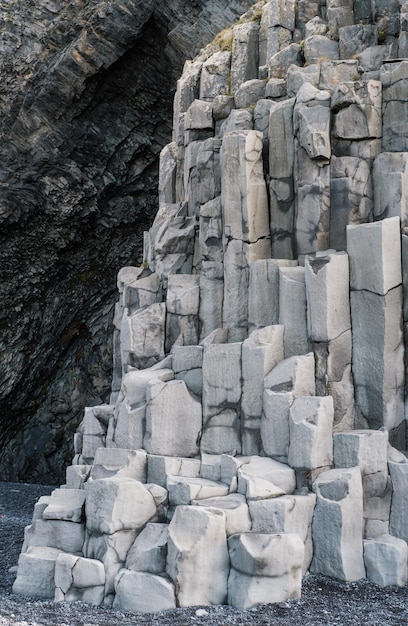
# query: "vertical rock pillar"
376 312
246 223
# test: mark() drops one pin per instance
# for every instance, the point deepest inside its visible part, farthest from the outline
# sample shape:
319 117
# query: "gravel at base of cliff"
324 601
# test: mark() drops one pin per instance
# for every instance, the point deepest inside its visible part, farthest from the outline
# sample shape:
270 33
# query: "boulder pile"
257 420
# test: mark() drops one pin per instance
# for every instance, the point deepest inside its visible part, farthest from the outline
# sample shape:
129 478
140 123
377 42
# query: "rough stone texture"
86 108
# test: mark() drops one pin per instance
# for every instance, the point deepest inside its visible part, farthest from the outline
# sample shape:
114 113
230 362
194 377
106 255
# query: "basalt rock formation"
256 428
86 96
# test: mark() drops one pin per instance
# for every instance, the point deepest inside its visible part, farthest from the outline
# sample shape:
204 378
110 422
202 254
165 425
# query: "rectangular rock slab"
339 506
66 504
120 462
378 339
159 467
235 508
327 291
286 514
295 374
398 515
197 560
375 255
264 568
183 490
275 424
263 297
141 592
115 504
311 433
35 573
149 552
60 534
278 474
385 559
394 77
390 178
292 310
173 420
366 449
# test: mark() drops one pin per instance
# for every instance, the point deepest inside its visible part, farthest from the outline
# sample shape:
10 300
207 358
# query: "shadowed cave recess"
85 107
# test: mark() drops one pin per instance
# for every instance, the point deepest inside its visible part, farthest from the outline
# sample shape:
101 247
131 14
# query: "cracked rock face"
85 108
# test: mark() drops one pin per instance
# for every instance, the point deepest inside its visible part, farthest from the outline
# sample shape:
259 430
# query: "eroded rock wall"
85 108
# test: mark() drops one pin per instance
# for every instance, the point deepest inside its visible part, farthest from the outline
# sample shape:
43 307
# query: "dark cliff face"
86 95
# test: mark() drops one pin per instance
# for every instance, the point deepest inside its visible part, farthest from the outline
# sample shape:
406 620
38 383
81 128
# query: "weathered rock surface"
85 108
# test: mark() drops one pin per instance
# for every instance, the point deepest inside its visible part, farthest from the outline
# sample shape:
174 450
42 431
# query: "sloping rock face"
85 108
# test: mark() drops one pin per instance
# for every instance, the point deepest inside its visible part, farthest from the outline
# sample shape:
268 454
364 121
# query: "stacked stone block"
259 351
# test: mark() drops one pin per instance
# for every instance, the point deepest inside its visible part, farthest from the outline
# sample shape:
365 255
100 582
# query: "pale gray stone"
279 63
357 110
173 419
114 504
351 196
237 518
275 89
286 514
390 178
168 174
275 424
311 433
199 116
375 256
211 297
260 353
182 306
398 515
149 551
297 76
187 91
295 374
143 292
394 78
327 292
318 48
366 449
264 568
243 193
353 39
77 475
339 15
35 573
59 534
339 509
278 474
249 92
183 490
335 72
277 22
214 75
378 338
93 428
316 26
119 462
140 592
77 578
237 121
385 559
197 559
263 304
142 336
312 202
292 310
65 504
160 467
210 466
312 122
281 185
111 550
